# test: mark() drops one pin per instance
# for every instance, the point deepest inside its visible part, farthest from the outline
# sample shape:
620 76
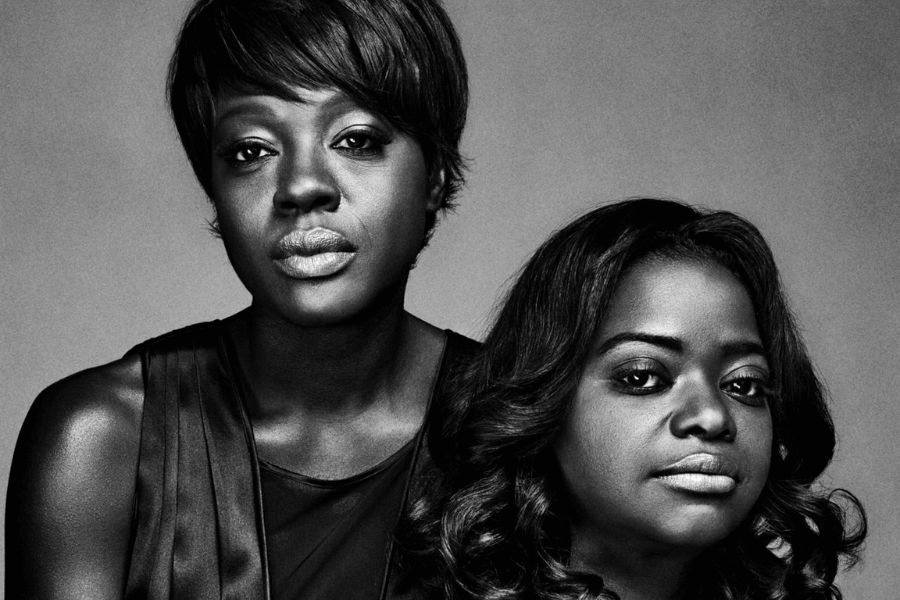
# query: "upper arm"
71 487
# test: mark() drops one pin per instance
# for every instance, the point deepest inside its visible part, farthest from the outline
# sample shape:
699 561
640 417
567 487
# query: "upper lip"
307 242
701 462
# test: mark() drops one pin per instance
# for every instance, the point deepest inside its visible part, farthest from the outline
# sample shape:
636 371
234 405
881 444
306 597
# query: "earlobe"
435 197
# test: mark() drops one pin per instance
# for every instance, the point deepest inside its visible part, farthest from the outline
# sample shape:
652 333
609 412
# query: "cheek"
598 463
404 186
393 212
241 234
229 191
756 452
760 431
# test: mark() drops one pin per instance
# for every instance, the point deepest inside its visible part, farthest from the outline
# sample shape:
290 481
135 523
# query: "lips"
700 473
313 253
313 241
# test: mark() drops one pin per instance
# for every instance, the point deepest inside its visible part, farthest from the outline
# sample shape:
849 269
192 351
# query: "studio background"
785 112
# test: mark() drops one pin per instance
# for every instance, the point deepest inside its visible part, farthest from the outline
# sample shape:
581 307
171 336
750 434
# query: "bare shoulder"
72 481
86 417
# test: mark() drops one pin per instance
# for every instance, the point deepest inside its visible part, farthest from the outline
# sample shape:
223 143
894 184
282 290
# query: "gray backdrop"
785 112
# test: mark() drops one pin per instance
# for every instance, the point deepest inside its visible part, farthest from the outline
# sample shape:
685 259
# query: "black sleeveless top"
213 521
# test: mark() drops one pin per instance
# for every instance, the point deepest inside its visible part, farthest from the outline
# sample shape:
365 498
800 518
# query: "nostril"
307 193
286 204
704 418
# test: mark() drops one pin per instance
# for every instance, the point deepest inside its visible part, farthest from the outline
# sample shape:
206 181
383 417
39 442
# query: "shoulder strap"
198 516
459 354
458 349
461 346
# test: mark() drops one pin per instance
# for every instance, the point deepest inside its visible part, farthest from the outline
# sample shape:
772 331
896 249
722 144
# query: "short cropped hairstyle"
399 58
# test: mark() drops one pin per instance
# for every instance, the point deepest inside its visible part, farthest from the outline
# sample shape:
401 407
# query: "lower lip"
314 266
699 483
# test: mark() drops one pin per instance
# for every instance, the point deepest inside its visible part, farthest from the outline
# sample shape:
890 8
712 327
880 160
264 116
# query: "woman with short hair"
268 455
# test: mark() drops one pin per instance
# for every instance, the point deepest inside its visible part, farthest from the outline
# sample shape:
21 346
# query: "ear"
435 196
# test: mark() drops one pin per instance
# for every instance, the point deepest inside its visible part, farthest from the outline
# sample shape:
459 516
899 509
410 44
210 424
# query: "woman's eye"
747 389
246 153
361 143
640 380
357 142
250 153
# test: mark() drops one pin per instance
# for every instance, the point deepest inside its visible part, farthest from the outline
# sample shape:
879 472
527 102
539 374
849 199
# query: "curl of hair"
399 58
489 522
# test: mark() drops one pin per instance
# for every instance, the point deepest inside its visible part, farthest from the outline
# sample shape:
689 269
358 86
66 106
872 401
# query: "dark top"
213 521
330 539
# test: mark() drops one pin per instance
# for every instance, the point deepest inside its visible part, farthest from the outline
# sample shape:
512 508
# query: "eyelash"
644 370
373 143
759 394
232 152
647 372
373 139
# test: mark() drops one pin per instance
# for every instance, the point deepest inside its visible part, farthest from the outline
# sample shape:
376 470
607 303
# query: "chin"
330 305
328 301
323 314
699 529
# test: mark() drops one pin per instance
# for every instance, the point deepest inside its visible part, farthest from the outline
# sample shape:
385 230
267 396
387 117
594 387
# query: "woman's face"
322 204
667 444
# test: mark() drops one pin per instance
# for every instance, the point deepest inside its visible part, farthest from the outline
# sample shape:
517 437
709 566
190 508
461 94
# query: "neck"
328 370
632 571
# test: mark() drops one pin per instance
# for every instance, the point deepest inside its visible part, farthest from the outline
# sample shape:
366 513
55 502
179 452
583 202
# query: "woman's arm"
71 487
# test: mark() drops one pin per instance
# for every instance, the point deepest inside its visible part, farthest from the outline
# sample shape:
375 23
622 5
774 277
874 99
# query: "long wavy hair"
489 522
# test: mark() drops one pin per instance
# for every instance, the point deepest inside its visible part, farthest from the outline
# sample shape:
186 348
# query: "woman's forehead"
681 299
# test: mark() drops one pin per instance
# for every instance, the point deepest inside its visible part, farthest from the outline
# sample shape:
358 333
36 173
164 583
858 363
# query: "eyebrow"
743 348
729 349
664 341
244 108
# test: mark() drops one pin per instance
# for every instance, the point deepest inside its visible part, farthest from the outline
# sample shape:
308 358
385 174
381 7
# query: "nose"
306 183
704 413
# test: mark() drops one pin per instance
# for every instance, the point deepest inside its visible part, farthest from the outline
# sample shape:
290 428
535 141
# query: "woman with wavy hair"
643 421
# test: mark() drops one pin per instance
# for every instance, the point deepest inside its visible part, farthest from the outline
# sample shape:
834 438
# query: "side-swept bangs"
399 58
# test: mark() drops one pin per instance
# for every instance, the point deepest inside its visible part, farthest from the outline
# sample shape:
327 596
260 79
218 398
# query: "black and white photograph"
450 300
